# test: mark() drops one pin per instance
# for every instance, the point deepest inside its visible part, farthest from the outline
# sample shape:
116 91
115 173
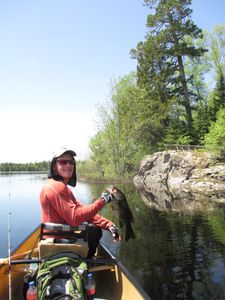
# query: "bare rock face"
177 180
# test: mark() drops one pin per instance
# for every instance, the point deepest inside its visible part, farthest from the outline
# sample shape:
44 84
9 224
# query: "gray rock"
179 180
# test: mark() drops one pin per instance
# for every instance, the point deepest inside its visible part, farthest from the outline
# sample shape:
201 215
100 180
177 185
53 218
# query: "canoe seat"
59 237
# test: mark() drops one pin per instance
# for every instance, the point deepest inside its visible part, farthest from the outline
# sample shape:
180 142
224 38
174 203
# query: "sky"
57 59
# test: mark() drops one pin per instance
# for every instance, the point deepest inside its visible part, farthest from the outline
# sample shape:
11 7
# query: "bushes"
215 139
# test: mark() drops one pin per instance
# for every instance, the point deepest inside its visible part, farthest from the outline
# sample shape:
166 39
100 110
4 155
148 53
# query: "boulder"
181 180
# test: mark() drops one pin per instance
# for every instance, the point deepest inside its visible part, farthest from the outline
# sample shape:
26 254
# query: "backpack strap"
61 269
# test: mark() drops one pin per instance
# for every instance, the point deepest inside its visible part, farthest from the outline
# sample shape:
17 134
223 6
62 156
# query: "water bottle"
90 285
31 292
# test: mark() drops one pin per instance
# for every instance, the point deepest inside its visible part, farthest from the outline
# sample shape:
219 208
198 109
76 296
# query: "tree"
215 139
215 57
161 57
199 92
115 147
201 120
153 77
210 65
217 98
99 152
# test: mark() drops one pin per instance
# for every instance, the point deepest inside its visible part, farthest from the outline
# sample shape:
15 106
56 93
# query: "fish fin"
129 234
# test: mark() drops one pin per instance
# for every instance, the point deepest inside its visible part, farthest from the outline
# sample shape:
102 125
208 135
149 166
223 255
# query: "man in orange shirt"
59 205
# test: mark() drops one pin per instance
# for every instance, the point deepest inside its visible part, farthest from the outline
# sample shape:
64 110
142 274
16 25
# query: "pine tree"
161 56
217 99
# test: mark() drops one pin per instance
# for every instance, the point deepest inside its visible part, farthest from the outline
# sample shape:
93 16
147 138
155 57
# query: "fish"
122 211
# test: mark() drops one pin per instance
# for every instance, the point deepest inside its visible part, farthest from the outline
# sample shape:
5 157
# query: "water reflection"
159 196
176 255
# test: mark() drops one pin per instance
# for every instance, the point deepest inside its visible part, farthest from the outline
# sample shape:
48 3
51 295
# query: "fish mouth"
112 189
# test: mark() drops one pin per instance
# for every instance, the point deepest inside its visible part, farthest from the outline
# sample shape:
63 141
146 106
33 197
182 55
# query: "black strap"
64 230
62 297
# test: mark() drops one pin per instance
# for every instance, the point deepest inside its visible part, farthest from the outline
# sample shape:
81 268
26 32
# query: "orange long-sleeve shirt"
59 205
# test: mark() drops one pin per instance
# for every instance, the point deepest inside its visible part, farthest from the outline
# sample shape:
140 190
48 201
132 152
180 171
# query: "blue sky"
57 59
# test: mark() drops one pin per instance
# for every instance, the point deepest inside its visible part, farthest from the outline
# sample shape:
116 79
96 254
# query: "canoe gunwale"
24 240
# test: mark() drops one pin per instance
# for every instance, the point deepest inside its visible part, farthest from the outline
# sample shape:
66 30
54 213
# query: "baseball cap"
60 151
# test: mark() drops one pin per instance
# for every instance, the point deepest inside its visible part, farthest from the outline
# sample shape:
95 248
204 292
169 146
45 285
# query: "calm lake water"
174 255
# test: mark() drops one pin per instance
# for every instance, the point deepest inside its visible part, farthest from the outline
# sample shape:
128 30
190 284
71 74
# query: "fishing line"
9 235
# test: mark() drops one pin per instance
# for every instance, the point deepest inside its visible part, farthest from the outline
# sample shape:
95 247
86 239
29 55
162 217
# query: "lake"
175 255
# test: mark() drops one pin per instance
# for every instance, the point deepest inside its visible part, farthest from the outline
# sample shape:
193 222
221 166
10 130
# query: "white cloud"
33 136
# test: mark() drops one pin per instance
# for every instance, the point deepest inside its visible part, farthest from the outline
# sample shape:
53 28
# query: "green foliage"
214 59
86 169
115 148
212 63
215 139
201 120
217 98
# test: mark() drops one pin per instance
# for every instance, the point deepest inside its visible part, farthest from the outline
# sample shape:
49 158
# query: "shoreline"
103 180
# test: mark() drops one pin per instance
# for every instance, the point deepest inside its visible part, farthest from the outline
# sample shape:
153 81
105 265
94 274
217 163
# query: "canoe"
113 281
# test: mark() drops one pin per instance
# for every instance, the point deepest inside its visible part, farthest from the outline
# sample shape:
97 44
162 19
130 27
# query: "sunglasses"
64 162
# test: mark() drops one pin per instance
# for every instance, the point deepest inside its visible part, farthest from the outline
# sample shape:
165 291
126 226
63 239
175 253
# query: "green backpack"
61 277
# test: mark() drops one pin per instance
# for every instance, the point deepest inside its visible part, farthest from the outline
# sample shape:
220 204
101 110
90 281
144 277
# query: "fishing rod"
9 235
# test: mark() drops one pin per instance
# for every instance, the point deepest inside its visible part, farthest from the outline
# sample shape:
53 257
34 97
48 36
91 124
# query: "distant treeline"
25 167
43 166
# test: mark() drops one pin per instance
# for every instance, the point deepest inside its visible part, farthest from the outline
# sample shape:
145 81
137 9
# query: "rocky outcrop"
181 180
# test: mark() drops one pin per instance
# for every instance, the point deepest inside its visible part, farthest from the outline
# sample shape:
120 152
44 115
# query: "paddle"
5 261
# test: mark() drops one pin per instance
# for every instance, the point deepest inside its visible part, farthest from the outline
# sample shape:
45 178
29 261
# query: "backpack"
61 276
